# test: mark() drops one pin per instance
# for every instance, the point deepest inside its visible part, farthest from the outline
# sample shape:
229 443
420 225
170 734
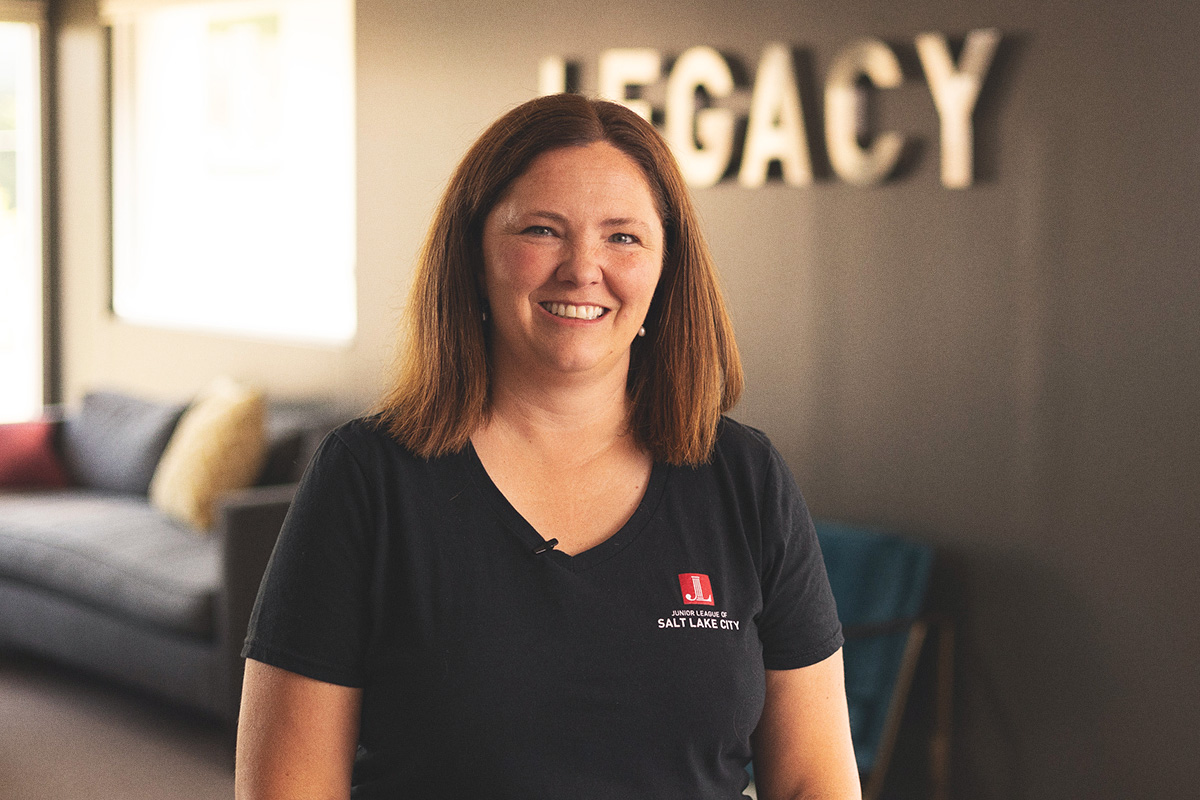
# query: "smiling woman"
466 598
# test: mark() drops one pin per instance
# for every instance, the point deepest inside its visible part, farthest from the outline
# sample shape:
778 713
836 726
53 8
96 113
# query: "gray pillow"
115 441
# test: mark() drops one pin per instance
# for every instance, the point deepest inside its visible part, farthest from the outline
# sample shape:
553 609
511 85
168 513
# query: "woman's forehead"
594 172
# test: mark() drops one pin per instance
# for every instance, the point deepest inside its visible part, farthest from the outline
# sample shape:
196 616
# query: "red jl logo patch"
696 589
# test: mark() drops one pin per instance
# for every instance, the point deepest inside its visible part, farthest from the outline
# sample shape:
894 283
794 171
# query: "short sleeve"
312 615
799 624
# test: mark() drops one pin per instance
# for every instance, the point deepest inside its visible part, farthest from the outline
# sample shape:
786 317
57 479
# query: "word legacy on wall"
702 133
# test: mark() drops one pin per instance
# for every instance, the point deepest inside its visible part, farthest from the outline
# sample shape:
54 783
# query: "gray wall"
1009 371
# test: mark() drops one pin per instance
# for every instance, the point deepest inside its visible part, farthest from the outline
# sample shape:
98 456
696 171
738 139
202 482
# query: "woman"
549 567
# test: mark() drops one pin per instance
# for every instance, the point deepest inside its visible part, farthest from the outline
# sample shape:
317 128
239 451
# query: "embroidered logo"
696 589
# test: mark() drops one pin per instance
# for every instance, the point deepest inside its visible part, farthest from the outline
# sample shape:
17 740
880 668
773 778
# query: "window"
233 166
21 302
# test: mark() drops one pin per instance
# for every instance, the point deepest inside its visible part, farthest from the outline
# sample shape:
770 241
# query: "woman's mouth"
568 311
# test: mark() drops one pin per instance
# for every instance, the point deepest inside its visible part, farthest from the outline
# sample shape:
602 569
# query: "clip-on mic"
545 547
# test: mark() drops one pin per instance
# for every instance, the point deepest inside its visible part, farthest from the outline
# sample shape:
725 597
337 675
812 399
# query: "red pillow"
27 457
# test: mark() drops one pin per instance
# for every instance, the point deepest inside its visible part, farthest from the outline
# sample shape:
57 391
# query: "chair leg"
895 712
939 747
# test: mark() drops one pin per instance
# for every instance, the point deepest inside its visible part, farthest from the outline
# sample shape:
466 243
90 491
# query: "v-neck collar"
514 522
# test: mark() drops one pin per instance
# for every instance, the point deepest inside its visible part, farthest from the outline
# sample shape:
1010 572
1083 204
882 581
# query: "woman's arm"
296 736
802 746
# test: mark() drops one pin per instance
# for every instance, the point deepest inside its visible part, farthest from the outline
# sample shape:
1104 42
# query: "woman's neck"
570 420
565 458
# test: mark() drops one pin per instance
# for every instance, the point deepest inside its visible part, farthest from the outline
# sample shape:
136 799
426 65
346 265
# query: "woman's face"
572 254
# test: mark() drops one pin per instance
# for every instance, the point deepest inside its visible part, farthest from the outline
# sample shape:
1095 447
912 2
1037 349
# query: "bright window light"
20 223
233 167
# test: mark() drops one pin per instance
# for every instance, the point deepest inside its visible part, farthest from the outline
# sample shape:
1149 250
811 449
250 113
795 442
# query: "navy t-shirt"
494 667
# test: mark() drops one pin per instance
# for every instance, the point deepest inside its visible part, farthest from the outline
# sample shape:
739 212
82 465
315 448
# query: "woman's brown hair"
682 376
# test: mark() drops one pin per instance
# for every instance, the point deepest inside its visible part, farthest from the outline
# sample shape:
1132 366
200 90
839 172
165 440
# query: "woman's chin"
582 366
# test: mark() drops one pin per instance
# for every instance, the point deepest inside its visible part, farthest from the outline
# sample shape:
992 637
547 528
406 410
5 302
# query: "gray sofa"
94 576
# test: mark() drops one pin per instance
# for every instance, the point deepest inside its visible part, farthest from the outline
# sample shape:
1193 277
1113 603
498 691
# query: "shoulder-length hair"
683 375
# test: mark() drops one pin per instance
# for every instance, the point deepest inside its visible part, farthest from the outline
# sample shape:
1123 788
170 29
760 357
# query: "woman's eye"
623 238
538 230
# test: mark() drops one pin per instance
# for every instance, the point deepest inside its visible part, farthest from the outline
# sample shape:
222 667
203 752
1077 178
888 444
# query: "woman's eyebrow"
550 215
554 216
622 221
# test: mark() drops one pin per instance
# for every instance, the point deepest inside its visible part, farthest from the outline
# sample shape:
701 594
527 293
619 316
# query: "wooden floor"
67 736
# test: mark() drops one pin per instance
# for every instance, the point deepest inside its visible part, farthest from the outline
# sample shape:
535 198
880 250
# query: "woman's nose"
582 264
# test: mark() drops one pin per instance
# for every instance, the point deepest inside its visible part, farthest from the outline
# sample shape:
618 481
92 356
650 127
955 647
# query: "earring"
642 331
485 316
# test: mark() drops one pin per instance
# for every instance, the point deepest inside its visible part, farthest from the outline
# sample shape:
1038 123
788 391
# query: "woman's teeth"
573 312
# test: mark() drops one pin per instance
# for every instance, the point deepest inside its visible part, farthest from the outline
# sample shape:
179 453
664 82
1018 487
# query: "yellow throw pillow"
218 445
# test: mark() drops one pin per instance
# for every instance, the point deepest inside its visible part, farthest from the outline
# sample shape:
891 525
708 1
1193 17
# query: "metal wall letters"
703 138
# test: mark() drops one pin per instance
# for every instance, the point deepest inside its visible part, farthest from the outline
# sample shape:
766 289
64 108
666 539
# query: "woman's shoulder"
368 439
363 451
742 451
368 427
738 438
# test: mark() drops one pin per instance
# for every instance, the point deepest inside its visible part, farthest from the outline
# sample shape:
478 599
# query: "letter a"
776 128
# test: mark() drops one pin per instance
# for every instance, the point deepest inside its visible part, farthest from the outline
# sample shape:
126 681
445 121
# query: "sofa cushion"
28 459
115 441
113 552
218 446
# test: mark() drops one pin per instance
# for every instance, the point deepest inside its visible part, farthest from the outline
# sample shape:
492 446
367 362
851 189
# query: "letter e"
622 68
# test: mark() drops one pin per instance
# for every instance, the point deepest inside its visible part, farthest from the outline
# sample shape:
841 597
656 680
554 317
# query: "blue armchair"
880 581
